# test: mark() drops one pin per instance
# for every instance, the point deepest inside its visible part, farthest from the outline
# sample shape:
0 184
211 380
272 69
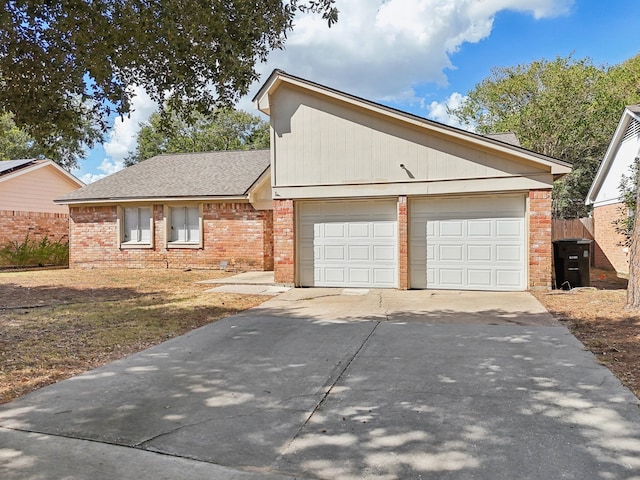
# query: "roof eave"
114 200
609 155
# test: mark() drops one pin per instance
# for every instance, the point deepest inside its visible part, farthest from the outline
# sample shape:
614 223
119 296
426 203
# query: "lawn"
597 317
57 323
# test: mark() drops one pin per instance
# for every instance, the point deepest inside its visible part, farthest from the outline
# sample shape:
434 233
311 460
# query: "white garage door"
470 243
348 244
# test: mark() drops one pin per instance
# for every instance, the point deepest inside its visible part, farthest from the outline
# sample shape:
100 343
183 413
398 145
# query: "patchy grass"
597 317
57 323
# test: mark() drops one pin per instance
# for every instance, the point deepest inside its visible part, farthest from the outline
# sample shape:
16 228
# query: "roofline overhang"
42 163
605 164
118 200
277 78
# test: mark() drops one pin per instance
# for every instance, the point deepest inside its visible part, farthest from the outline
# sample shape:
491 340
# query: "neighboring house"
27 191
201 210
604 194
369 196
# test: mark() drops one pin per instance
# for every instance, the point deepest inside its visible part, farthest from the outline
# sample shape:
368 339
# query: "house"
201 210
604 193
28 188
368 196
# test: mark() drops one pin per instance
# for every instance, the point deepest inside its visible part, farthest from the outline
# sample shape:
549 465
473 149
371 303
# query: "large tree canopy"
16 143
226 129
564 108
65 63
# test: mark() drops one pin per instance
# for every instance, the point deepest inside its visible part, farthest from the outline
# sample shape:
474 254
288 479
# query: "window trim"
120 228
167 220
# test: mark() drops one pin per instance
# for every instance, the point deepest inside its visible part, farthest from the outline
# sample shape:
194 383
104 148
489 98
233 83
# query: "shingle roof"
8 165
506 137
211 174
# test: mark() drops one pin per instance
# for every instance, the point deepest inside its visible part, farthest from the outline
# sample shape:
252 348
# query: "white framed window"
184 226
136 227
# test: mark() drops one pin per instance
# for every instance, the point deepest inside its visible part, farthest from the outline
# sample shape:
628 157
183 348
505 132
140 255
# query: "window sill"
127 246
183 245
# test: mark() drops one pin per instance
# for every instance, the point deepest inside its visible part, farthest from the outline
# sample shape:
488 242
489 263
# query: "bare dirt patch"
598 318
57 323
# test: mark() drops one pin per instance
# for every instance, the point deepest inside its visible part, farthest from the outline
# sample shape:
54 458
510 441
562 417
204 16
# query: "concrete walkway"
335 384
247 283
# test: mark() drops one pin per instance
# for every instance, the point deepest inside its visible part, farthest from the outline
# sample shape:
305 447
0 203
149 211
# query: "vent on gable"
632 130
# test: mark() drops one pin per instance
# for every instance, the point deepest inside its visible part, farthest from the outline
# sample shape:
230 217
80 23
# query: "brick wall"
608 253
284 241
540 246
403 244
15 225
235 233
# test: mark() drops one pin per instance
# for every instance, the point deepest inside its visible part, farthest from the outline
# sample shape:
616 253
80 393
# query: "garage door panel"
480 228
451 228
509 228
480 253
468 242
508 253
359 253
479 278
357 241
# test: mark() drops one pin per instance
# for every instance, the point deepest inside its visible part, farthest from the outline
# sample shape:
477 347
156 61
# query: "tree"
226 129
633 288
628 197
564 108
65 63
16 143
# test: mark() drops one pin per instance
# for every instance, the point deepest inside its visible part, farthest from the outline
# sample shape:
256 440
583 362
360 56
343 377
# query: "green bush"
33 252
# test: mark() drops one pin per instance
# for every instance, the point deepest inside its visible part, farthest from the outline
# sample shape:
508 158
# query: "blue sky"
421 55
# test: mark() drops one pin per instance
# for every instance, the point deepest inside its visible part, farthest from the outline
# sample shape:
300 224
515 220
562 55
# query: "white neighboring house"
604 194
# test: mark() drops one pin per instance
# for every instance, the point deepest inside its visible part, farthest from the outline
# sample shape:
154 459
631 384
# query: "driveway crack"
333 384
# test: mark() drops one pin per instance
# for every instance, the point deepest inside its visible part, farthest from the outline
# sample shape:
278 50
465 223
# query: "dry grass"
57 323
598 318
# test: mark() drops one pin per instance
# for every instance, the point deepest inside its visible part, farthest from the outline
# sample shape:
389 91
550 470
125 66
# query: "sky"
419 56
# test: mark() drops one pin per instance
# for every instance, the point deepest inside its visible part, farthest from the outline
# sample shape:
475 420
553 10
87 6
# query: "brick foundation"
608 251
234 233
540 246
284 241
15 225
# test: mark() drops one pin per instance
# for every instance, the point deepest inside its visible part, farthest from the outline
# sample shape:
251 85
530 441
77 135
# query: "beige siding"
319 141
34 191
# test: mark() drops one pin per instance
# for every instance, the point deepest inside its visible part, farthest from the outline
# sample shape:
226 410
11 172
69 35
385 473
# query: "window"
184 227
136 226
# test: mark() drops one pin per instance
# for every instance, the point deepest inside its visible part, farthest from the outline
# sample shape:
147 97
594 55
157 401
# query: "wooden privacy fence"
572 228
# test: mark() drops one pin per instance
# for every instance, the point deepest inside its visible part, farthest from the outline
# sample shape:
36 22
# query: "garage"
468 243
348 243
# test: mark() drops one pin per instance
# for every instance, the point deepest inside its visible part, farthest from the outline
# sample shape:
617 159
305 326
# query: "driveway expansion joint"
333 384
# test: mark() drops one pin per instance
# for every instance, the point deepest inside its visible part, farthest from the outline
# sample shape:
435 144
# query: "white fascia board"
610 155
43 164
277 78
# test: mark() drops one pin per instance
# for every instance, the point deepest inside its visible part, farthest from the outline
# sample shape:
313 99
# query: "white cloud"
122 136
381 49
439 111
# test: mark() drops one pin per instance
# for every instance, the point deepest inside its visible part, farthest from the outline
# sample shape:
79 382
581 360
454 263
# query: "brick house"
604 193
28 189
369 196
200 210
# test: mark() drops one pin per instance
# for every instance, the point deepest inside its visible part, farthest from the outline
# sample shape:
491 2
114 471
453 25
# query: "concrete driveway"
340 384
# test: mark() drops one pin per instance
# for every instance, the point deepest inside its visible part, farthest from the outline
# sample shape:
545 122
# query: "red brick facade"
15 225
540 246
234 233
608 252
284 241
403 243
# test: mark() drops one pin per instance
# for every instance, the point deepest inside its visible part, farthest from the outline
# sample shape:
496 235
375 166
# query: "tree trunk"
633 289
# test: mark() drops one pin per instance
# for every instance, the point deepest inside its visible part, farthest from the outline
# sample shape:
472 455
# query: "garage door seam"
333 384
